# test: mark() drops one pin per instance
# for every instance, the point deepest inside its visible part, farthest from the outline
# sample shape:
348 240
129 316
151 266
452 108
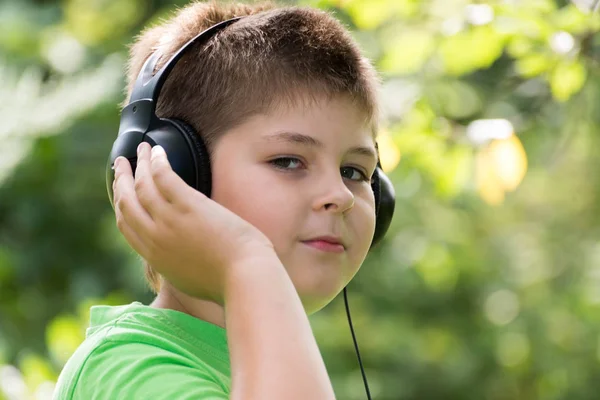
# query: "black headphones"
185 149
187 153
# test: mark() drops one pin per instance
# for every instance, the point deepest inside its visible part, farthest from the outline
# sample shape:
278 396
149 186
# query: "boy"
286 106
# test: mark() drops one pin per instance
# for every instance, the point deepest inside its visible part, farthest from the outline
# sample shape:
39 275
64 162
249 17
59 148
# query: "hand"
191 240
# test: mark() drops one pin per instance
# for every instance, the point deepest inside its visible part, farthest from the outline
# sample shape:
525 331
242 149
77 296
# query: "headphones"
185 149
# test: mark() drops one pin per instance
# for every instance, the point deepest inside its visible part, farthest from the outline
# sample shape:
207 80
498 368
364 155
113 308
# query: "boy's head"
287 107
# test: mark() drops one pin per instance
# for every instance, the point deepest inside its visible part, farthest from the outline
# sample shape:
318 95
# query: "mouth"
328 244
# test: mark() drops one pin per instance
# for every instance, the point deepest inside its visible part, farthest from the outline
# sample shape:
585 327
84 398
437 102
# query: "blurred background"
488 285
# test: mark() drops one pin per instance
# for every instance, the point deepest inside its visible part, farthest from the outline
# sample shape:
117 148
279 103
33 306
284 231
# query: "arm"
209 252
273 352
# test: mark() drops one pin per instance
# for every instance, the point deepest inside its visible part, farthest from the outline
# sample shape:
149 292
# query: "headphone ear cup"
199 153
385 203
185 150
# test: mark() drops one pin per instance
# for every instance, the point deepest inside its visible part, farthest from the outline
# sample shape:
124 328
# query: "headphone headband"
148 84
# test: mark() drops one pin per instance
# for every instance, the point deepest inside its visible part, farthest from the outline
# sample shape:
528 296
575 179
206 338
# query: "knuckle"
159 173
144 198
120 223
139 184
122 204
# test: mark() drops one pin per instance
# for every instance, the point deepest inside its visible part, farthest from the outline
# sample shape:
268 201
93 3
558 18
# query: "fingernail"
116 164
140 148
157 152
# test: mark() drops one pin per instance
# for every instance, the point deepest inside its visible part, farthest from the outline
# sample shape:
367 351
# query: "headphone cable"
356 346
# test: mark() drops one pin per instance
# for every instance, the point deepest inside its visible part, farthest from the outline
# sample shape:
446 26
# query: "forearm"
273 351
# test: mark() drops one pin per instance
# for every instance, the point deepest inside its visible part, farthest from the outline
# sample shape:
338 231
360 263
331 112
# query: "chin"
315 300
313 306
317 283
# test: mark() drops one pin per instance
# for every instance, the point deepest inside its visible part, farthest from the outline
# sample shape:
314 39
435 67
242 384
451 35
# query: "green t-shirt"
139 352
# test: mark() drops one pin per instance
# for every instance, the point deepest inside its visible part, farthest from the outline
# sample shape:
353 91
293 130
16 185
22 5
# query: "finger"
169 184
147 193
126 201
132 238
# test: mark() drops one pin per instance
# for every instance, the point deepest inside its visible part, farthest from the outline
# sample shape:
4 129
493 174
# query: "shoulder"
127 370
131 359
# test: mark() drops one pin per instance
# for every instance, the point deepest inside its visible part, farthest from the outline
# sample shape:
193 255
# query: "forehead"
333 120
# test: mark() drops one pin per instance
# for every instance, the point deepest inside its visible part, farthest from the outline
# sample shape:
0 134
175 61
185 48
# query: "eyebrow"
309 141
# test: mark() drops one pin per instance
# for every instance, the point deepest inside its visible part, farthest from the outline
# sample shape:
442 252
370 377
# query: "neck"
170 298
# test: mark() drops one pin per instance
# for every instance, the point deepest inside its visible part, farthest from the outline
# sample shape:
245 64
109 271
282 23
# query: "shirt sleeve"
131 371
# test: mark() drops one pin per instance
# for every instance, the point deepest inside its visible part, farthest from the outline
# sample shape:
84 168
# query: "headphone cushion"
385 203
199 153
376 186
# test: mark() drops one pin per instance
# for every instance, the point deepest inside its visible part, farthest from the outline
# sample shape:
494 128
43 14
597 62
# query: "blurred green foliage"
488 286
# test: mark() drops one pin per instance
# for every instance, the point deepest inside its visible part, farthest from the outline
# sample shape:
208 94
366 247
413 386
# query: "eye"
354 174
287 163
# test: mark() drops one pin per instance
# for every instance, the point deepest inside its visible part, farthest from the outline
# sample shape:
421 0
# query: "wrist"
254 268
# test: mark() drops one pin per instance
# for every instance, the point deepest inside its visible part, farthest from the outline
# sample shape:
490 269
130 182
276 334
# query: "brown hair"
272 56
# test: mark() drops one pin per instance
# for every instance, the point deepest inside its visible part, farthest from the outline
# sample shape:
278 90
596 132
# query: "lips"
329 244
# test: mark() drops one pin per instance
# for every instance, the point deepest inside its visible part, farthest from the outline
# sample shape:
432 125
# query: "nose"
334 195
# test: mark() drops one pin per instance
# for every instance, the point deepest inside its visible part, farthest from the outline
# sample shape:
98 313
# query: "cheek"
249 194
363 225
364 213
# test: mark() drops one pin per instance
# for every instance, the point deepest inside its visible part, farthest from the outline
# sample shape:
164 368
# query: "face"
302 176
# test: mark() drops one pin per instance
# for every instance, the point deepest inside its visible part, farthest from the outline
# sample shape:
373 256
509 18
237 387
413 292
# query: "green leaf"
567 79
36 370
454 99
96 22
407 52
370 14
470 50
437 269
519 46
571 19
533 64
369 17
63 335
457 173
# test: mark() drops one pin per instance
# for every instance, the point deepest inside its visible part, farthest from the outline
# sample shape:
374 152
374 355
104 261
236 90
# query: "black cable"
356 344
